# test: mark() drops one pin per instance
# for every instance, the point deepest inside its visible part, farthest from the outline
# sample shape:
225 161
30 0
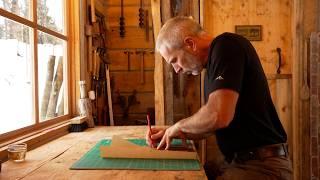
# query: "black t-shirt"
234 64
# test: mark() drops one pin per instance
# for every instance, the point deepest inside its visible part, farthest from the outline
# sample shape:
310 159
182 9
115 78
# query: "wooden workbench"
52 160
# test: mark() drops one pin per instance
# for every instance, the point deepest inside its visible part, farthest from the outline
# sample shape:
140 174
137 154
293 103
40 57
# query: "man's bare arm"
217 113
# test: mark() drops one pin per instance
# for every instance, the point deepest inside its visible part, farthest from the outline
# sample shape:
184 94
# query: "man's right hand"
155 136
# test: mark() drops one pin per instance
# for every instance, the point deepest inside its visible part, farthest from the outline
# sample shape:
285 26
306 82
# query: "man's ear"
190 43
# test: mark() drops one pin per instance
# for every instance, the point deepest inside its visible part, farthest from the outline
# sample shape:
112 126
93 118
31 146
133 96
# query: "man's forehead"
165 52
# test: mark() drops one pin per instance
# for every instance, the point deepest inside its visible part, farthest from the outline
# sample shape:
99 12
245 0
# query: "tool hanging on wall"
109 95
147 24
279 60
89 35
141 53
128 53
122 23
97 60
126 102
142 68
141 15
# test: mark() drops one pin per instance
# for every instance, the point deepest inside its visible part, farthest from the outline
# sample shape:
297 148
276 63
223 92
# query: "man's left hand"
170 133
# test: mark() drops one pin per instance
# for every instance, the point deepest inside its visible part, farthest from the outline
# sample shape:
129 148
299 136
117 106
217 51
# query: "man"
238 108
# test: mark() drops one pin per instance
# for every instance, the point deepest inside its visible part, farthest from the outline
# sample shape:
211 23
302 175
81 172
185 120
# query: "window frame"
28 131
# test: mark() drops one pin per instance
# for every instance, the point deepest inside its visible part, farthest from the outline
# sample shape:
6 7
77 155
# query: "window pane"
51 59
50 14
16 104
18 7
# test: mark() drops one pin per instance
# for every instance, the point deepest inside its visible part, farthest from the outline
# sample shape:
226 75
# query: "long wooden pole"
109 95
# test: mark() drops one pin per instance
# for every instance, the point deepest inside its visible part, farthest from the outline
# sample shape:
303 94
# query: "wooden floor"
52 161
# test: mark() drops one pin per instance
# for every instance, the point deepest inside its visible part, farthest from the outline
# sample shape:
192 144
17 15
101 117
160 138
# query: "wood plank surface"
276 19
127 2
281 94
274 16
119 60
130 13
134 38
128 81
52 161
146 100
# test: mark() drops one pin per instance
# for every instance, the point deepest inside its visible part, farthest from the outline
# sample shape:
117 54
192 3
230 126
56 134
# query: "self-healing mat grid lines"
92 160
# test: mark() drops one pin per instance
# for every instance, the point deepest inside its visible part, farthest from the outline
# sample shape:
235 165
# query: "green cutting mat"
92 160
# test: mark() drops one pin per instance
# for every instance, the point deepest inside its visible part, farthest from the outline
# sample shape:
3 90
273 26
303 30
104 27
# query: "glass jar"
17 152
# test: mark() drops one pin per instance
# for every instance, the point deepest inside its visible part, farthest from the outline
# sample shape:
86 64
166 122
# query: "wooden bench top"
53 160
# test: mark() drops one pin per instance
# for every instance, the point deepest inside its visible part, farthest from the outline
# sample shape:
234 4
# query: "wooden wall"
275 17
126 74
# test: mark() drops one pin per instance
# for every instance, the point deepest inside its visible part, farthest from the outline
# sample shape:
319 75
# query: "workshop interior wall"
275 18
130 76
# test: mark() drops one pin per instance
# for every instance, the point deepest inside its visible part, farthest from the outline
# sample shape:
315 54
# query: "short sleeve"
227 65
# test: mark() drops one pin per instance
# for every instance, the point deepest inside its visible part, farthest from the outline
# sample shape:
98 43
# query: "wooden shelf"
278 76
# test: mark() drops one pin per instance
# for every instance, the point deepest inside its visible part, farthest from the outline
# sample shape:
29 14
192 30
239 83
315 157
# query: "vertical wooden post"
158 68
297 27
77 51
167 70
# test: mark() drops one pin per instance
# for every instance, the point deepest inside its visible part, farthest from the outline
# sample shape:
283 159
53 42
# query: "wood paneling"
119 60
128 81
134 38
127 2
125 79
131 15
146 100
281 93
274 16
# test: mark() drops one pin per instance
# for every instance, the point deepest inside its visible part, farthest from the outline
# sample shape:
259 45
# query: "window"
33 65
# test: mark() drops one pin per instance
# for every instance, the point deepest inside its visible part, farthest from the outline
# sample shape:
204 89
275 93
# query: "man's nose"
176 68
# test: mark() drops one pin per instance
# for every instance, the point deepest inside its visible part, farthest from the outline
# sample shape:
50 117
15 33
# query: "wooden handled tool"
142 68
94 64
141 15
122 23
147 25
128 53
141 54
89 35
98 61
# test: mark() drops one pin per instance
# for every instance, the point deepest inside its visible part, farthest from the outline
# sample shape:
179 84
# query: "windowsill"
38 138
